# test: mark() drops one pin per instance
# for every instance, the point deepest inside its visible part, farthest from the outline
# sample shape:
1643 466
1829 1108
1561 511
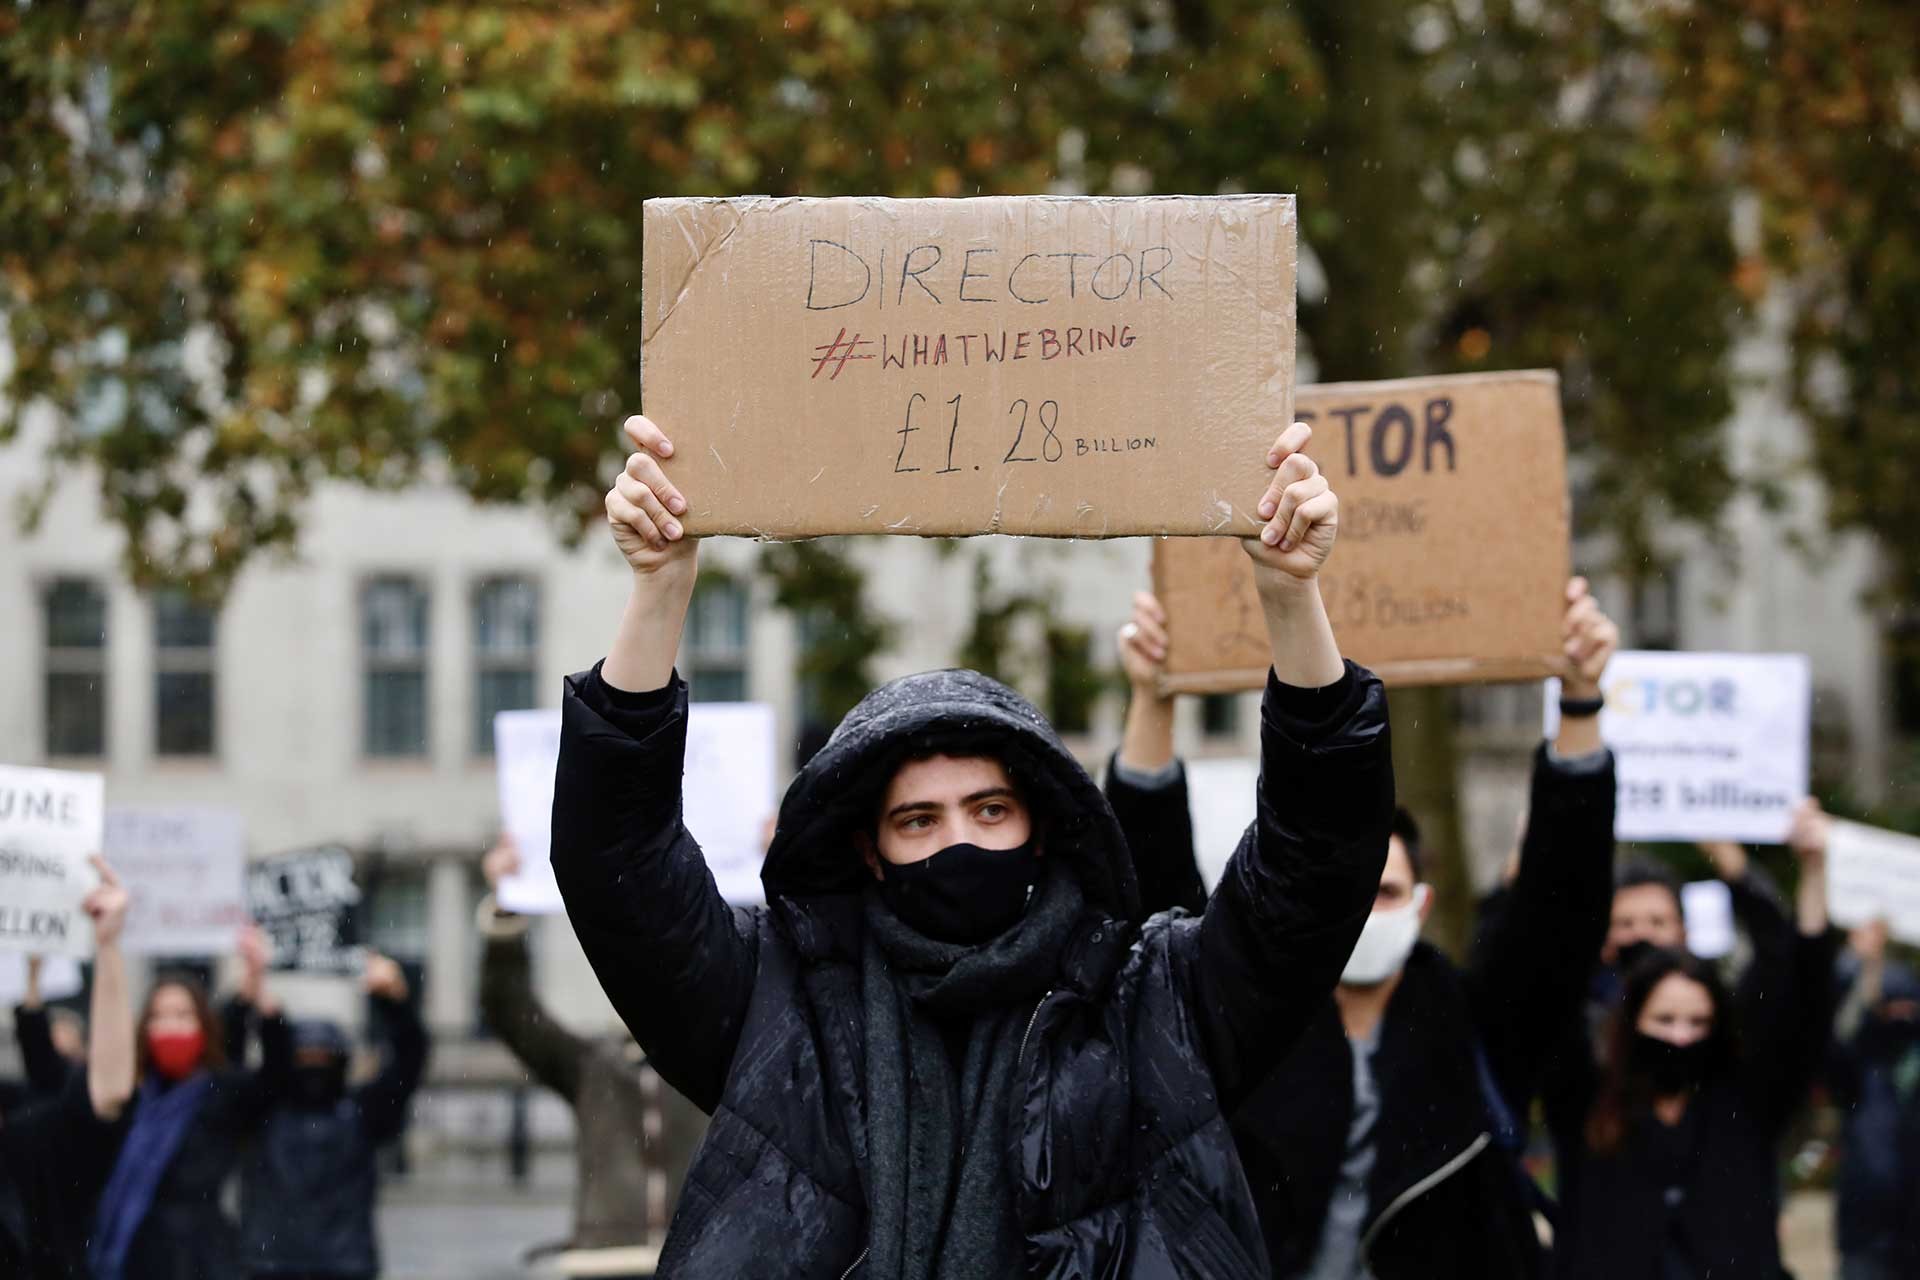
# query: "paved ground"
437 1236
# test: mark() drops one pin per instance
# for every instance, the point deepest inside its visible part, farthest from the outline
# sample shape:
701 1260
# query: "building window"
506 642
393 646
76 613
1220 715
183 630
396 911
1656 611
717 642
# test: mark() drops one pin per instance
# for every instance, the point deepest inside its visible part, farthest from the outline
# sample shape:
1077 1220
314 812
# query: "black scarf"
939 1176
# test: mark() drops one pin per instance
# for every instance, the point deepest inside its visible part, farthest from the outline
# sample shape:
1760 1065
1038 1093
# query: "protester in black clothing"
52 1044
1675 1177
309 1183
55 1153
160 1216
1385 1145
1875 1074
950 1046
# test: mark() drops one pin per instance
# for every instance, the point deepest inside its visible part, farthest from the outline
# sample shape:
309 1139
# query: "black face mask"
1669 1067
1632 953
963 893
319 1084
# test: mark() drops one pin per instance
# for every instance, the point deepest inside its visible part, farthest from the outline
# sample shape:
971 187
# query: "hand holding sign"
1300 509
1589 637
643 504
1142 643
106 905
385 979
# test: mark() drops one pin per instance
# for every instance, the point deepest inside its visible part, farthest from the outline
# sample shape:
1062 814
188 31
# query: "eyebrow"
934 806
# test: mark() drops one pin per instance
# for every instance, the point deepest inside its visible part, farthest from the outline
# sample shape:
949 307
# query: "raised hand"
1142 643
643 507
1589 638
106 906
1302 513
384 978
502 860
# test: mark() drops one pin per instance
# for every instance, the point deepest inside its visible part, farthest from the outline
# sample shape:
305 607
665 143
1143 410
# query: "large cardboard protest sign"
1452 559
50 822
1709 746
1069 366
60 978
726 800
1874 875
307 903
185 872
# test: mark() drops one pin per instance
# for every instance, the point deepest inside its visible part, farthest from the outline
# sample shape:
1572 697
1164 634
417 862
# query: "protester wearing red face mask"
160 1216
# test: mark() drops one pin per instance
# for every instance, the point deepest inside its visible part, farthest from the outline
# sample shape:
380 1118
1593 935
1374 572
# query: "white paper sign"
50 821
728 796
1709 746
59 978
1221 795
1707 906
526 746
185 870
1874 875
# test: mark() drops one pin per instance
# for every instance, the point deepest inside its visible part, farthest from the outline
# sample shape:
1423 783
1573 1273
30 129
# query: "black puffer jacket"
1118 1159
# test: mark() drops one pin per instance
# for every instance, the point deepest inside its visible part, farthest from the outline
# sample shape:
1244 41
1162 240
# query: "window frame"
372 664
187 660
485 661
67 660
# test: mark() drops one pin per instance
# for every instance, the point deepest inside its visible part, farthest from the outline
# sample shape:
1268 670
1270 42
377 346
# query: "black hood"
834 797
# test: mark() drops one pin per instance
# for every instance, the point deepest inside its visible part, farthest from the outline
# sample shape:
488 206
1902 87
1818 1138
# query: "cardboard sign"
307 902
726 800
1874 875
50 822
1451 564
1709 746
1084 367
185 872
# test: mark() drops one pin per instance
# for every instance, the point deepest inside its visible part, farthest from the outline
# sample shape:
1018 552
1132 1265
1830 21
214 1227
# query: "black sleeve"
550 1052
676 961
1528 977
252 1092
1158 825
384 1099
236 1020
1285 915
47 1071
1790 1024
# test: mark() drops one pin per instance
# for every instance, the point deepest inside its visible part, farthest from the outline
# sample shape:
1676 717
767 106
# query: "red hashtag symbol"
841 350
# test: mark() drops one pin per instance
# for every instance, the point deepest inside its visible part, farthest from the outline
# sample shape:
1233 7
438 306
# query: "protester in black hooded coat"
309 1181
1083 1131
1458 1052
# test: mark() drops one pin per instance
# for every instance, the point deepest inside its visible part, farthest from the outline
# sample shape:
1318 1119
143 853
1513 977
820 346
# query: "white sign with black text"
185 872
50 822
1874 875
1709 746
727 797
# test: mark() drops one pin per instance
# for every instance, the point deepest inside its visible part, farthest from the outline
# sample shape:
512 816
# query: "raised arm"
551 1053
384 1099
110 1055
1146 784
46 1070
1285 916
676 961
1530 975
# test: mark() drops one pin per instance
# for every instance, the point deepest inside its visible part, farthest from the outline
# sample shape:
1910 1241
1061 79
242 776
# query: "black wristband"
1580 708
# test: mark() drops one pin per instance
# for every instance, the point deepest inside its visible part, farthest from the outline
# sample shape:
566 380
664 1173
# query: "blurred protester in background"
1876 1083
1386 1145
160 1216
309 1183
1676 1177
52 1040
633 1135
55 1153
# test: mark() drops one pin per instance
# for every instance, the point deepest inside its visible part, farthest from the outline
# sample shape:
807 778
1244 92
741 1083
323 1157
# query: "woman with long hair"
160 1216
1678 1176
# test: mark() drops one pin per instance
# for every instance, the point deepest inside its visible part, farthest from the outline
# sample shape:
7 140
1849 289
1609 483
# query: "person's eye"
919 822
993 811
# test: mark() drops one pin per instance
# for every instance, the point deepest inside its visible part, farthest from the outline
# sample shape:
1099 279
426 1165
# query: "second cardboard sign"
1452 557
